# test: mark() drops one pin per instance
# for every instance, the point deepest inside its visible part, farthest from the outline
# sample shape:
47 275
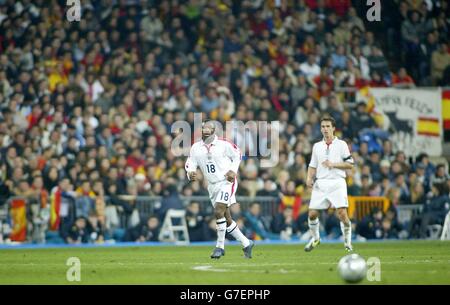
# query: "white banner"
412 117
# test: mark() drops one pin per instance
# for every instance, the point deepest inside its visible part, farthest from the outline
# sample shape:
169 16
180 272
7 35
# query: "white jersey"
336 151
214 160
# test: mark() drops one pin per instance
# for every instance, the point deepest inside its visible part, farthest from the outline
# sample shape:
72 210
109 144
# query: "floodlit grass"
405 262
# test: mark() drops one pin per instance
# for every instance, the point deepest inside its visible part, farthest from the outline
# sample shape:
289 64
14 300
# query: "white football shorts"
223 192
329 193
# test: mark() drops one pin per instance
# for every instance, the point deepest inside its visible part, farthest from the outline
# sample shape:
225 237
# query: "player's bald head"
209 124
208 127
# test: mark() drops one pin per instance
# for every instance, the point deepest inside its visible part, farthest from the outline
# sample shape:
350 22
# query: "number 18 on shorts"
223 192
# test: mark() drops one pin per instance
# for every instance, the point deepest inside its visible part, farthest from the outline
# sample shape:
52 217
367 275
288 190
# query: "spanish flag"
370 105
369 98
428 127
446 114
295 202
55 205
19 220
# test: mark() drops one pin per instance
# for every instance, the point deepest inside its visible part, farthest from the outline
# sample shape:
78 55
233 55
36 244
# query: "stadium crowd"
87 108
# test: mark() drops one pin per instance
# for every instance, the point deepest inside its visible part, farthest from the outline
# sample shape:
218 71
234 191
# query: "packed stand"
87 109
415 35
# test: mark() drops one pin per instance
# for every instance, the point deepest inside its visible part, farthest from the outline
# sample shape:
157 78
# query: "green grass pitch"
406 262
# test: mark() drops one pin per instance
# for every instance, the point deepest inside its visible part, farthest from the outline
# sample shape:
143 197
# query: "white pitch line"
210 268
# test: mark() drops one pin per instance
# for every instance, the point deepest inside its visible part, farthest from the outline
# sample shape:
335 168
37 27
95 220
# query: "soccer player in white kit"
326 176
219 162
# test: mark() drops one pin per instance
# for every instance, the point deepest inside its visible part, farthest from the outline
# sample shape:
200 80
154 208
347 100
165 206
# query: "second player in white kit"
219 162
326 175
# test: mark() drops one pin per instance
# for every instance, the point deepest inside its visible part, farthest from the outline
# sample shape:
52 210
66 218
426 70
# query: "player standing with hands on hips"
219 162
326 176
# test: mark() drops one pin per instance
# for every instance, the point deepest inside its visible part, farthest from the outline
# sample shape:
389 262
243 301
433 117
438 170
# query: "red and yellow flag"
295 202
446 113
55 205
428 127
19 220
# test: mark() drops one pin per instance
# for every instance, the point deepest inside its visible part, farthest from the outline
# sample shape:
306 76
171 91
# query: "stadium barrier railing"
360 206
147 206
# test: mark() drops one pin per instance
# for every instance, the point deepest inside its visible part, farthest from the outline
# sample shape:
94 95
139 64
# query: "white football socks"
314 228
347 233
221 226
233 229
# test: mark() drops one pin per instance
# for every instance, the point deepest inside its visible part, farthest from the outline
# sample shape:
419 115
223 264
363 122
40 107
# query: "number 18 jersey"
214 160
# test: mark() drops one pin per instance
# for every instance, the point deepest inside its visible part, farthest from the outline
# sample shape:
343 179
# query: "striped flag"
55 206
19 220
428 127
446 114
295 202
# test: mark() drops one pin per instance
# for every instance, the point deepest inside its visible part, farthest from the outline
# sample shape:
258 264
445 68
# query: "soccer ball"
352 268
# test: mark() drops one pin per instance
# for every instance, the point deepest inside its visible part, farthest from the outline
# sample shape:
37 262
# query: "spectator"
284 224
387 231
402 79
152 27
434 211
400 183
303 113
95 228
375 166
412 32
361 119
370 226
395 229
146 231
385 168
424 159
377 81
400 157
67 215
377 62
258 226
78 232
347 129
195 222
85 201
211 232
310 68
388 154
440 60
441 176
171 200
291 198
339 59
417 191
365 185
269 190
